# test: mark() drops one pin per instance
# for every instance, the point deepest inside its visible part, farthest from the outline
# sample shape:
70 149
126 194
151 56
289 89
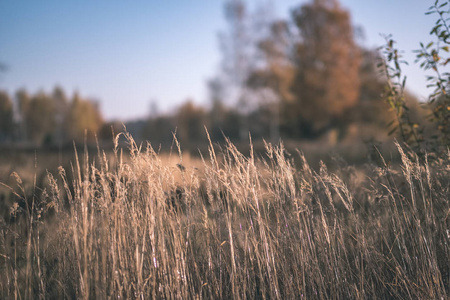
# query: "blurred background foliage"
302 78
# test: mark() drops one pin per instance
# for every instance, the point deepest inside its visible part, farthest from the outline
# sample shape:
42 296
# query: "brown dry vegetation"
234 226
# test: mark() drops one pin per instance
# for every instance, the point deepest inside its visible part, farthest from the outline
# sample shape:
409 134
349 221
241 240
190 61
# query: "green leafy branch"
395 94
435 56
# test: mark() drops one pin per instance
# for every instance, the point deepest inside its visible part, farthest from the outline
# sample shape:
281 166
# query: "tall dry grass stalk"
238 227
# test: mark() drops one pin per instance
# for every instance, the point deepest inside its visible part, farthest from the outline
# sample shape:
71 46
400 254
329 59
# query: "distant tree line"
301 78
47 119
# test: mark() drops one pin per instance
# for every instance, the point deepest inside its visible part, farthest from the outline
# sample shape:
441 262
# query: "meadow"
136 223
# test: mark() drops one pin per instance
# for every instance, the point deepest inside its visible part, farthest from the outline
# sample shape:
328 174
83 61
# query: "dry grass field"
138 224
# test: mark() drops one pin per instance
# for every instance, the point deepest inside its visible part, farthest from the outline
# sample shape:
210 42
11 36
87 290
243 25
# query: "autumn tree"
83 119
190 121
370 116
370 108
276 71
273 79
40 118
327 61
6 116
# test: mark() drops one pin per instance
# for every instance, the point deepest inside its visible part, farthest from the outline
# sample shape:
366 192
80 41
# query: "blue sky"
128 53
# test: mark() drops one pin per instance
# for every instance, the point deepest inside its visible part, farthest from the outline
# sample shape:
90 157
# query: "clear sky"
127 53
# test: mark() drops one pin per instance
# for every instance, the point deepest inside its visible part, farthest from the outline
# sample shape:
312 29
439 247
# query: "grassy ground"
138 224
